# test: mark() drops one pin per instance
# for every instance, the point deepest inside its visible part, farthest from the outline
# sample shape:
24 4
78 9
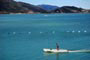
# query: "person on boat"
57 46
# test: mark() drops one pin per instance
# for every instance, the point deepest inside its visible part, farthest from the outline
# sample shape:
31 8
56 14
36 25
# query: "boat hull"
55 50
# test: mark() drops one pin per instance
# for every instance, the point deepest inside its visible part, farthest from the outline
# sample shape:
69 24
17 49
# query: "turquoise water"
23 36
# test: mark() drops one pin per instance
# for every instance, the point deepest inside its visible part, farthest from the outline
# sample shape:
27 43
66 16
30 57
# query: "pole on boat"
57 46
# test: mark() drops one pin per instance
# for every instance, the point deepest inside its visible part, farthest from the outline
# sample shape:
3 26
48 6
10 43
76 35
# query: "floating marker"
14 32
45 15
85 31
68 31
41 32
79 31
53 32
29 32
73 31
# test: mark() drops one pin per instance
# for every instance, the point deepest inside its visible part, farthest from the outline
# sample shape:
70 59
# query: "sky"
78 3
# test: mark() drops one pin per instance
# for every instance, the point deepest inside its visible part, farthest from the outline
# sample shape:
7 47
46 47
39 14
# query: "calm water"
23 37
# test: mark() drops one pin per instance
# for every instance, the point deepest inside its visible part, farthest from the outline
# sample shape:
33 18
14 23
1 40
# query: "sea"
24 36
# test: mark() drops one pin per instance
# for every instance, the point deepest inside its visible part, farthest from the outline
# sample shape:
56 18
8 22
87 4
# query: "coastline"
44 13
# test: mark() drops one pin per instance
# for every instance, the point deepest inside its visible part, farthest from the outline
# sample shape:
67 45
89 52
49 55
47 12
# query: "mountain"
70 9
33 7
6 0
48 7
11 6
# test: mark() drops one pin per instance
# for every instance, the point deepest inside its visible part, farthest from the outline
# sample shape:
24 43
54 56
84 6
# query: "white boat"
55 50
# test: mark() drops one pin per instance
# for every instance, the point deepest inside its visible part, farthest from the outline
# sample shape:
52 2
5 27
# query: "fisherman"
57 46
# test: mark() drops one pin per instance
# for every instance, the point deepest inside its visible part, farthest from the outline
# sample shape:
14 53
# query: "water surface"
23 37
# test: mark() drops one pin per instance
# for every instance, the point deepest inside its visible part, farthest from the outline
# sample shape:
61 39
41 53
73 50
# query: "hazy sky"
78 3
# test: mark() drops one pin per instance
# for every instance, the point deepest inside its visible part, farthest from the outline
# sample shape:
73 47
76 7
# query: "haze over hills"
11 6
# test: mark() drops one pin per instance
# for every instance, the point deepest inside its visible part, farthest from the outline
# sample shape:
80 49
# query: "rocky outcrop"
68 9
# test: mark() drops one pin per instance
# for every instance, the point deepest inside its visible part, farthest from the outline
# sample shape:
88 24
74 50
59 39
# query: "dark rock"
68 9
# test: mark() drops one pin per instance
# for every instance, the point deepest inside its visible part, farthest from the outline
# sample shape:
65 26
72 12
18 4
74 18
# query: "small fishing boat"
55 50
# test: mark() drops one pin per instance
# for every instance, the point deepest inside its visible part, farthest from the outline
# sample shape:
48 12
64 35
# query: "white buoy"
85 31
79 31
41 32
53 32
73 31
45 15
29 32
14 32
68 31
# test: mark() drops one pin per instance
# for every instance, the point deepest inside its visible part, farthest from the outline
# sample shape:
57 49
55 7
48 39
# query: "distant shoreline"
14 7
44 13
